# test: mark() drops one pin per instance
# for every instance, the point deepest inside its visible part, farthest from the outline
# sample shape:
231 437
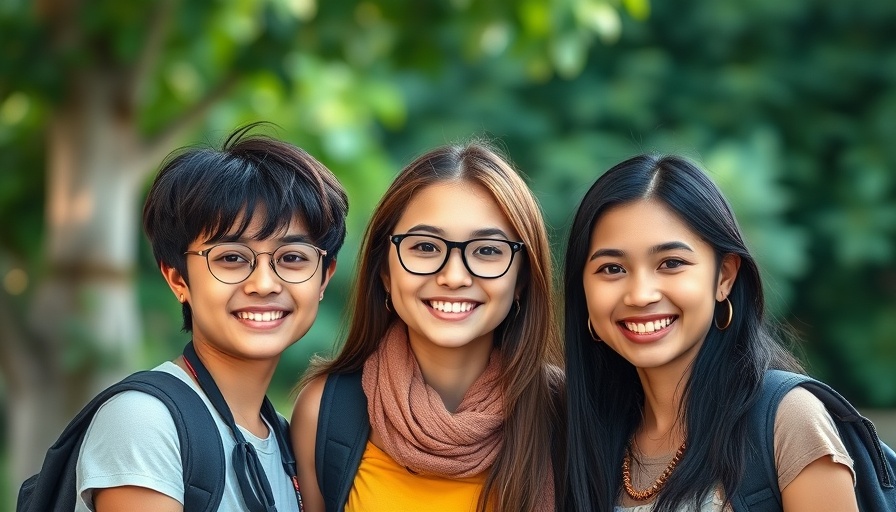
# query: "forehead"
638 226
457 208
259 227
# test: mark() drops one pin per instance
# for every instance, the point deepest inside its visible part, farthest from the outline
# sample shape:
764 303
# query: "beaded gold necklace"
657 485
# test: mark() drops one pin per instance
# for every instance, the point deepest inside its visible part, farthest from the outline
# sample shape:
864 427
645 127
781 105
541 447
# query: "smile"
649 327
452 307
267 316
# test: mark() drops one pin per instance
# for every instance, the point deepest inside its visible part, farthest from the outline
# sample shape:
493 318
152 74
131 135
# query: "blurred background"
790 106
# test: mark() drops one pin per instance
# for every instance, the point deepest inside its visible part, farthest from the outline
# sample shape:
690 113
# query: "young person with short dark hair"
246 237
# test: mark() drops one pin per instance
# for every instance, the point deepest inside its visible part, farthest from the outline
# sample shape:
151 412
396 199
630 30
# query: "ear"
328 273
518 289
176 282
387 281
727 275
522 280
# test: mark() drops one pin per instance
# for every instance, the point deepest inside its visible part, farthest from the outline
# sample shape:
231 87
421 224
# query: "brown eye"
673 263
611 269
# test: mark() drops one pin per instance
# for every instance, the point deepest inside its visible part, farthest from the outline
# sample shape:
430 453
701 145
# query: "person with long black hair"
666 347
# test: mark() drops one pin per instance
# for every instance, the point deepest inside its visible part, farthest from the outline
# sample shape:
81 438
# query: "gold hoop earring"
388 297
730 316
321 297
593 334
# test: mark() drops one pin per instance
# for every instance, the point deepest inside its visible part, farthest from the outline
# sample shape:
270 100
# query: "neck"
661 430
242 383
451 371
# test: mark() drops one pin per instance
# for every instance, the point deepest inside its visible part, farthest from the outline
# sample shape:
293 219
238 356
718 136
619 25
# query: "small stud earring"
181 298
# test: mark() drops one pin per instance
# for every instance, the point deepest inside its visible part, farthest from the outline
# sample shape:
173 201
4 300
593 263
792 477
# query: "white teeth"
267 316
648 327
451 307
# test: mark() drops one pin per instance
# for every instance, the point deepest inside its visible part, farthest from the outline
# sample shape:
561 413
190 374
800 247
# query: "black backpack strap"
202 454
873 461
758 490
342 431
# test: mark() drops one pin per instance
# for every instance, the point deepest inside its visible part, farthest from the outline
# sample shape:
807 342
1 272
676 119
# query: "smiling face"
259 317
651 285
452 308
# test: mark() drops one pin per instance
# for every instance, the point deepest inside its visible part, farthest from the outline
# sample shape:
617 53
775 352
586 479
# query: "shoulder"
131 441
133 410
307 406
801 416
303 432
804 432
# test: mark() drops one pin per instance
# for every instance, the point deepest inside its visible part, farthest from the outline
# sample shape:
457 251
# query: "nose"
642 290
455 273
263 279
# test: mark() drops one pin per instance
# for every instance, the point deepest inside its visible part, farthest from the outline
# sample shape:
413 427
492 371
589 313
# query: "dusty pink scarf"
416 429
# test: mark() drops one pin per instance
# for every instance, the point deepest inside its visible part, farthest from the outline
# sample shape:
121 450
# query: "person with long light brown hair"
457 348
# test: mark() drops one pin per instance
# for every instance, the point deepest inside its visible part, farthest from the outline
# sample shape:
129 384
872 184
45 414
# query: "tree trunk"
82 330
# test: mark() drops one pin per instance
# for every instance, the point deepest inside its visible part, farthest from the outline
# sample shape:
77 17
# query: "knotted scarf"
416 429
411 419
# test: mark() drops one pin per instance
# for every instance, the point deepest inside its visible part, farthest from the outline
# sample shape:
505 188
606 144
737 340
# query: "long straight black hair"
605 397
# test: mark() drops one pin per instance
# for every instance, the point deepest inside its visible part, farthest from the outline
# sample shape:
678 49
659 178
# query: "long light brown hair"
529 342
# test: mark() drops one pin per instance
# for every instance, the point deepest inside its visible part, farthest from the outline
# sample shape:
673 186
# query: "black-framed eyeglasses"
423 255
233 263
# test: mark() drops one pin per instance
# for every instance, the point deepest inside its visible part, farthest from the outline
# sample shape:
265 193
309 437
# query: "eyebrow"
479 233
656 249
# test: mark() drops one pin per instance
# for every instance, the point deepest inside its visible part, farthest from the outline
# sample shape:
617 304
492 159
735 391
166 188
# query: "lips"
648 326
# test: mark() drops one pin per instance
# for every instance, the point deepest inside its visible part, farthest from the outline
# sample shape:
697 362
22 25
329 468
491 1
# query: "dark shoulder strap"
202 451
342 431
873 460
202 455
758 490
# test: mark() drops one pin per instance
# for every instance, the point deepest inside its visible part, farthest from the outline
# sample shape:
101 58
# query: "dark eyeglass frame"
254 263
515 247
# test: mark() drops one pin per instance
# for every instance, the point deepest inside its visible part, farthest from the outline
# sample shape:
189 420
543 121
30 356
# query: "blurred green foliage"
791 106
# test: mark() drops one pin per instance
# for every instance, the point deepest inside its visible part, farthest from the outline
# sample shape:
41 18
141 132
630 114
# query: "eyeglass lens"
233 263
421 254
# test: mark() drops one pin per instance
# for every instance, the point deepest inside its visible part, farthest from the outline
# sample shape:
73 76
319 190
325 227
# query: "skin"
647 266
451 349
240 354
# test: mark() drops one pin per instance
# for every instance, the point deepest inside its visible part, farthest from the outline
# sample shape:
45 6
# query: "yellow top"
382 485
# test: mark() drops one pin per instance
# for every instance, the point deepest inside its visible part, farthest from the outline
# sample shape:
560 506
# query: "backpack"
873 460
53 488
342 431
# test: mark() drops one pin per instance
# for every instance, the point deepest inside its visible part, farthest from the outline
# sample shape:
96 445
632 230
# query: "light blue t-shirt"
132 440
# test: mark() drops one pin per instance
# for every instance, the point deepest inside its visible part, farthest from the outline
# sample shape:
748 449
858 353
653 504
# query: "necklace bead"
658 484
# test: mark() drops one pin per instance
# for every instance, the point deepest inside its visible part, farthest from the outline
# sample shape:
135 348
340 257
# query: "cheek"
504 292
697 297
595 299
395 275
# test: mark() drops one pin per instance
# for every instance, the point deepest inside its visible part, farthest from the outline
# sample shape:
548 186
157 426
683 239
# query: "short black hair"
208 192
